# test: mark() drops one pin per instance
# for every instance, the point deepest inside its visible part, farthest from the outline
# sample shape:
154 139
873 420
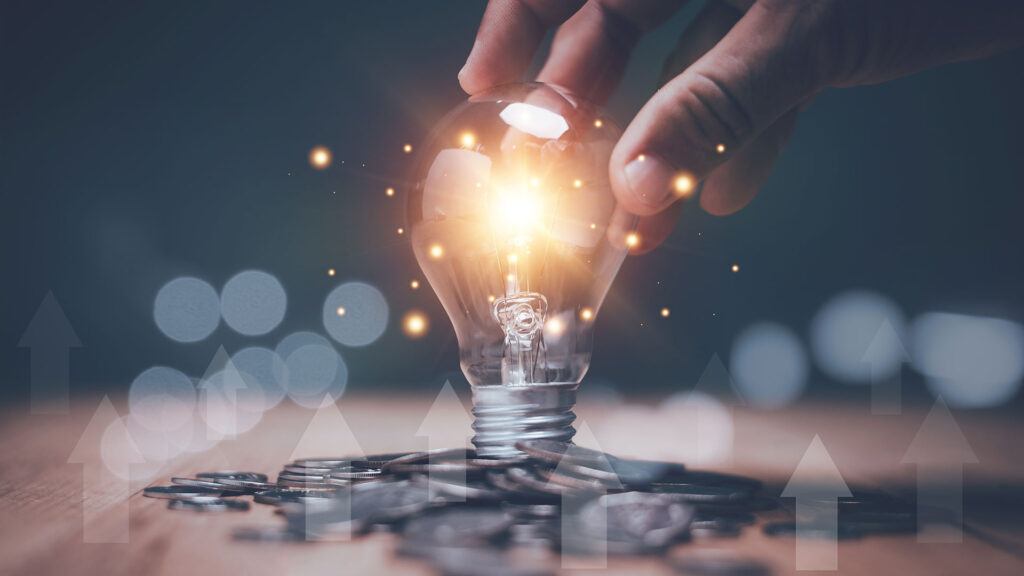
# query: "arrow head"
447 413
49 327
816 475
716 381
218 363
939 440
105 420
326 433
886 346
222 374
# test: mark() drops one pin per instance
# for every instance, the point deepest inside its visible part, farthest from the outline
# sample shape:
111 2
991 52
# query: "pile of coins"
460 511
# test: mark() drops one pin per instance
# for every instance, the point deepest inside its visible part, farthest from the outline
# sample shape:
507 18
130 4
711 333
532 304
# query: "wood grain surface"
79 518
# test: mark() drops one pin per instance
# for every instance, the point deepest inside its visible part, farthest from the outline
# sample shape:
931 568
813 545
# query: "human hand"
734 84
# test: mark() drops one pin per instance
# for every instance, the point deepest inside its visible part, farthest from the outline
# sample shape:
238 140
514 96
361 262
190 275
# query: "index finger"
509 34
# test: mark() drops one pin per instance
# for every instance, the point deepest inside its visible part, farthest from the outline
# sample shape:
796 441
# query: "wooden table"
62 518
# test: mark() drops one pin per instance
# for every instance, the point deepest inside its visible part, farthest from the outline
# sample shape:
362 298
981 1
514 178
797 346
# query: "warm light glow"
415 284
415 324
534 182
598 123
641 157
390 191
341 310
436 251
320 157
577 183
407 148
330 271
555 327
735 267
490 298
401 230
467 139
683 185
587 314
510 277
665 312
720 148
593 225
513 258
632 240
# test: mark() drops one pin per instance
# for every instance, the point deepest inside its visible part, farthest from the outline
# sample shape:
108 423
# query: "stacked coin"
457 509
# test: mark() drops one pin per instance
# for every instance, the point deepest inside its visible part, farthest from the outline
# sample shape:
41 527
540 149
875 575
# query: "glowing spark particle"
665 312
415 284
593 225
401 230
319 157
436 251
720 148
735 267
407 148
641 158
577 183
415 324
587 314
555 327
467 139
683 185
390 191
341 310
330 271
490 298
598 123
632 240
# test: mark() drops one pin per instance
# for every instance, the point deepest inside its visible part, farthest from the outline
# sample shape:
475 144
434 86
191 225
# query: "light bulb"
514 224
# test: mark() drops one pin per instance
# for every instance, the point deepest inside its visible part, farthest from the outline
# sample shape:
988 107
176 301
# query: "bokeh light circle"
257 365
769 365
253 302
187 309
843 330
230 402
699 427
162 398
365 314
970 361
309 368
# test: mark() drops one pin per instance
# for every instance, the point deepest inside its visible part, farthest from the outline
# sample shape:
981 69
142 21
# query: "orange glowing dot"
390 191
407 148
467 139
415 284
510 277
735 267
587 314
577 183
598 123
415 324
341 310
436 251
330 271
641 157
401 230
593 226
513 258
320 157
683 185
555 326
665 312
720 148
632 240
490 298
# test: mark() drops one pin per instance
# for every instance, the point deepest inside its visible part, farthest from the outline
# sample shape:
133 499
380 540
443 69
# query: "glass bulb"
513 221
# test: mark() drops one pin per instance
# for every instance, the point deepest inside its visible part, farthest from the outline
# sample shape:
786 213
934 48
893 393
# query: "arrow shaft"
817 534
105 510
886 391
940 500
49 380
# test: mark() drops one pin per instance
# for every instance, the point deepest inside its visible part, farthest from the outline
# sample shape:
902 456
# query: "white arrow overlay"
817 485
940 451
886 355
106 451
447 425
328 435
218 398
49 337
583 550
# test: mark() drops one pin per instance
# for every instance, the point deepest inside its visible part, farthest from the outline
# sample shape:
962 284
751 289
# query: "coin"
232 474
178 492
292 495
207 504
199 483
651 520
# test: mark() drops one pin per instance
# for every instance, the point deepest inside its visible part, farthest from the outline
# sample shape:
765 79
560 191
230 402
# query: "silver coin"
291 481
465 490
504 481
376 461
274 497
308 470
555 452
574 483
328 462
199 483
457 526
649 520
178 492
232 474
207 504
353 473
430 456
248 484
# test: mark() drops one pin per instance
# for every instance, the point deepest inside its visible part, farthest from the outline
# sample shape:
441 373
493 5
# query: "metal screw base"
508 414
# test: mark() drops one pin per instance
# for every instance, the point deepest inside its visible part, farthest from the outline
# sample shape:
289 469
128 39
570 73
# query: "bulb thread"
505 415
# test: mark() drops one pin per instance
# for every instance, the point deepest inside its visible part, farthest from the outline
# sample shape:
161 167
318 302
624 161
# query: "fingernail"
650 179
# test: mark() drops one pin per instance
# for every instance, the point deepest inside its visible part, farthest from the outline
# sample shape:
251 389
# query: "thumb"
765 66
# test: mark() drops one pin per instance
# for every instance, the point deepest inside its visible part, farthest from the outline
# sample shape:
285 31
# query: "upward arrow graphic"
886 385
817 485
49 337
716 381
218 396
106 451
940 451
447 425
